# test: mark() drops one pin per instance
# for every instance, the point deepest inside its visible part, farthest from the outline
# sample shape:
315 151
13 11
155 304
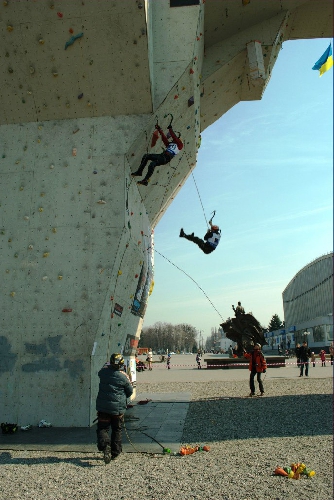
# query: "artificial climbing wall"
75 241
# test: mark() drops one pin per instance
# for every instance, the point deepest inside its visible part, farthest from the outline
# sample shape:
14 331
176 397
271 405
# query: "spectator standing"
149 358
331 352
313 359
305 354
297 351
198 360
257 366
323 357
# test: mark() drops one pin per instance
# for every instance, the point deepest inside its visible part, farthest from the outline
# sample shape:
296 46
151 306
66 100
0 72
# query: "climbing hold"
32 70
67 310
80 96
54 230
40 209
30 247
73 39
41 41
94 171
70 30
74 151
139 242
111 298
102 202
12 294
191 71
176 96
10 27
46 254
60 15
119 272
60 277
136 275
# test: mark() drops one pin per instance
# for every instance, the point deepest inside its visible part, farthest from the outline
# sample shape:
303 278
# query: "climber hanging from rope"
211 238
173 147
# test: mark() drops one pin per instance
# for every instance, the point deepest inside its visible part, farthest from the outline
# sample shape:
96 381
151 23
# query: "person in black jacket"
210 242
114 389
304 355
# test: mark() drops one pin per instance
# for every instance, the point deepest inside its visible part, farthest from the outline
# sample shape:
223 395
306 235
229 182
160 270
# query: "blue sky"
266 167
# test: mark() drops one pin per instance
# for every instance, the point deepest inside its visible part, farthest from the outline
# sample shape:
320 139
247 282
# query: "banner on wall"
145 280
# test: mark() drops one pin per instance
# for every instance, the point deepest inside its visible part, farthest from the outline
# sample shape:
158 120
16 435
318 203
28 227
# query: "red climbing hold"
59 14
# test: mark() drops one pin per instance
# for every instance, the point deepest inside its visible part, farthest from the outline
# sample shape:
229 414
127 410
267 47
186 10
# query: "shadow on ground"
264 417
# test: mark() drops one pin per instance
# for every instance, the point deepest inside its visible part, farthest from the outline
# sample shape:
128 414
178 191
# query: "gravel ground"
248 438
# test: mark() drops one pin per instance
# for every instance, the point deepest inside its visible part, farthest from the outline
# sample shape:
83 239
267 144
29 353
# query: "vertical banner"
145 279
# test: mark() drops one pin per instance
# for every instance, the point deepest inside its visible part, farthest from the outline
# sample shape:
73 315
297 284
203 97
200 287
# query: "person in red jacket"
257 365
173 147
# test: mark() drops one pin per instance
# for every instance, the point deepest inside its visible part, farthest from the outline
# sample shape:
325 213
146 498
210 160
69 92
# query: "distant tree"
275 323
163 336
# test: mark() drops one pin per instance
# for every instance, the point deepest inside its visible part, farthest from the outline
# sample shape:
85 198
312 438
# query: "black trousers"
302 364
203 245
104 423
156 159
251 381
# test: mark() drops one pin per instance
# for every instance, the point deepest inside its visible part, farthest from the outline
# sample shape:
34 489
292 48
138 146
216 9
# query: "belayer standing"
257 365
211 238
114 389
173 147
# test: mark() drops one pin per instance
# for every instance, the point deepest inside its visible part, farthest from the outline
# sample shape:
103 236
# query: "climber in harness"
211 238
173 147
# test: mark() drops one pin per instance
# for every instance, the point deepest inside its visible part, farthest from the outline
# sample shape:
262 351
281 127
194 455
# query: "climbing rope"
134 447
192 279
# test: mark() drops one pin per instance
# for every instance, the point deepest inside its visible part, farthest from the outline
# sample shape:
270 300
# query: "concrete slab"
148 428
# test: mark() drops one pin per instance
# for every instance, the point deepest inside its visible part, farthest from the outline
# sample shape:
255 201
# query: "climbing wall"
74 239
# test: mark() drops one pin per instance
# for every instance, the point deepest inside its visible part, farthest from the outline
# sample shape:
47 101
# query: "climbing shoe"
107 454
143 182
135 174
181 233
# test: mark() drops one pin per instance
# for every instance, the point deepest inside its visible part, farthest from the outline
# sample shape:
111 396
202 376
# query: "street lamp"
306 333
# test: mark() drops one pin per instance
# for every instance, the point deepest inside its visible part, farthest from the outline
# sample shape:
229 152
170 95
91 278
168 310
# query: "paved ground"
157 424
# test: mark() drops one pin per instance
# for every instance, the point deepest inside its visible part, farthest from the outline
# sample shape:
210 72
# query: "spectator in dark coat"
114 389
304 355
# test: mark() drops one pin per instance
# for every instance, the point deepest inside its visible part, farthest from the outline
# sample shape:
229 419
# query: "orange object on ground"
280 472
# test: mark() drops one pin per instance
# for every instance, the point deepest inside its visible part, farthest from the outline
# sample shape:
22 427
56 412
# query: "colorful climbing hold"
73 39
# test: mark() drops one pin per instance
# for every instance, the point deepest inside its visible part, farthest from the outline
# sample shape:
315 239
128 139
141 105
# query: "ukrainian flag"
325 62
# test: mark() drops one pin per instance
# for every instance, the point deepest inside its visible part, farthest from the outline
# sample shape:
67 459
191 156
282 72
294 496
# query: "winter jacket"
114 389
256 361
304 353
